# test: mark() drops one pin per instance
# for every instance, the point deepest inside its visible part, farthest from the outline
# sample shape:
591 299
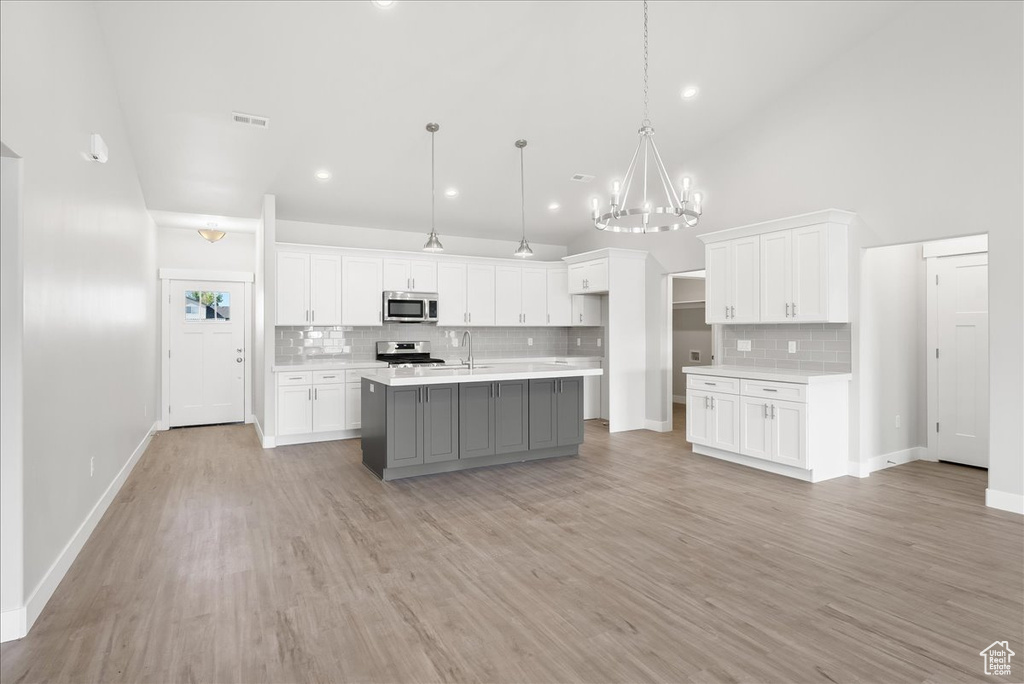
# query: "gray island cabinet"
411 430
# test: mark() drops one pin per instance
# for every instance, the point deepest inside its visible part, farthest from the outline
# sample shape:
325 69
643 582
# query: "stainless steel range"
407 354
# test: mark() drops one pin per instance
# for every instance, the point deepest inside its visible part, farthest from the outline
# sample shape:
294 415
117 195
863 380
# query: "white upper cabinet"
452 306
324 289
586 310
771 273
559 304
414 275
479 294
362 287
589 277
520 296
535 296
292 288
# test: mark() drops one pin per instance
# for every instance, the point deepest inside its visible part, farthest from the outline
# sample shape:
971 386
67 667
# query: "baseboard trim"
768 466
52 579
265 442
1004 501
313 437
678 398
658 425
13 624
893 458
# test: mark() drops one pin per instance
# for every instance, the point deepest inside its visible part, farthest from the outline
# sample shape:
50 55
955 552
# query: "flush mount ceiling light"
451 192
322 175
676 212
433 244
523 250
690 92
211 234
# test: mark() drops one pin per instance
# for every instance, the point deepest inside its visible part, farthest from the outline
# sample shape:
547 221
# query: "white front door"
207 353
962 364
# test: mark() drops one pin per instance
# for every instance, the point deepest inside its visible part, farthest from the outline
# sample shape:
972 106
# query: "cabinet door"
776 270
755 428
295 410
404 426
810 274
591 397
480 294
698 418
717 257
725 422
440 423
353 406
328 408
451 294
597 275
292 289
559 304
511 416
569 409
543 414
788 433
363 284
423 275
476 419
577 274
535 296
325 290
586 310
508 295
396 275
745 306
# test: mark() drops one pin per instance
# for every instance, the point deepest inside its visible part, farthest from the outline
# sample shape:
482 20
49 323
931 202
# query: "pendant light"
433 244
523 250
677 210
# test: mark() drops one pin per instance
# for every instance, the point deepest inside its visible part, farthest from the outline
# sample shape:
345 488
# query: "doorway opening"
691 340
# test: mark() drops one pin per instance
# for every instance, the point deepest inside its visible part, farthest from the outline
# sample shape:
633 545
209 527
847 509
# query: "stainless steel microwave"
410 307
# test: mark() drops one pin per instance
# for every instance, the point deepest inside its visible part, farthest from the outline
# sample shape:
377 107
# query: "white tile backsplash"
819 346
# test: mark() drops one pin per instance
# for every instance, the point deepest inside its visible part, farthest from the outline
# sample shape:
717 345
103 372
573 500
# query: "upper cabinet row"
798 275
318 289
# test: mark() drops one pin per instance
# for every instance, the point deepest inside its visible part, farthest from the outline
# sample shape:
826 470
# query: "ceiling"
349 87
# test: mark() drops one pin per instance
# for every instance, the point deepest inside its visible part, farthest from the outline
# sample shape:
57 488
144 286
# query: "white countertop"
401 377
777 374
328 365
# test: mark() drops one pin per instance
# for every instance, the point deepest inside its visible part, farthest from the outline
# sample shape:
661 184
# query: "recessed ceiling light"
384 3
690 92
322 175
554 206
451 192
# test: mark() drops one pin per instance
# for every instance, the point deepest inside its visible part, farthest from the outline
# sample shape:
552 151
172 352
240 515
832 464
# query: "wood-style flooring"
637 561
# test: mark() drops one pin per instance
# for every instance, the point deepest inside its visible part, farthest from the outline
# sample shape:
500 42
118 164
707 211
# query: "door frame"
932 252
667 360
167 276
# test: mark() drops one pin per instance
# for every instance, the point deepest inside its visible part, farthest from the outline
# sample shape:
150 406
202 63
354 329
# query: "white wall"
90 361
375 238
926 111
689 333
177 248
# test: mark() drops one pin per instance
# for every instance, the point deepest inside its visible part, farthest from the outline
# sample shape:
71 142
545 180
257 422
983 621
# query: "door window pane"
204 305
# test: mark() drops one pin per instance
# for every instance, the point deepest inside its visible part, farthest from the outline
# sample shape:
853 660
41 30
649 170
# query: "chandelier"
677 211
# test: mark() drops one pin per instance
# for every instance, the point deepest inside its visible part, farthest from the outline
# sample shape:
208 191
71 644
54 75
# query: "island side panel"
374 426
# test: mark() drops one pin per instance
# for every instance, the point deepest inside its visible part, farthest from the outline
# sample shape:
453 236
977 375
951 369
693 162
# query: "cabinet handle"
794 309
329 377
549 318
310 395
426 395
773 411
313 315
713 384
581 318
414 284
766 411
298 378
787 309
769 389
712 403
307 315
470 314
726 311
498 385
732 312
316 393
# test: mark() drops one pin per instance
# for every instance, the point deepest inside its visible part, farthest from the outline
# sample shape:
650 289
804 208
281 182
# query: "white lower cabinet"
353 406
294 409
320 403
748 419
328 407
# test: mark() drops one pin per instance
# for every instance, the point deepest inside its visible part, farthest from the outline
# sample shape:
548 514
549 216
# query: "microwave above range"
410 307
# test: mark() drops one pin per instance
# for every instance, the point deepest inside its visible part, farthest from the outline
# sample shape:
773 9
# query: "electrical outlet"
598 341
792 347
529 341
578 341
742 345
899 422
92 466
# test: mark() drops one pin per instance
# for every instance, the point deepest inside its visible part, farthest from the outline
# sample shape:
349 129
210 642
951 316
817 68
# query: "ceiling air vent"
581 178
251 120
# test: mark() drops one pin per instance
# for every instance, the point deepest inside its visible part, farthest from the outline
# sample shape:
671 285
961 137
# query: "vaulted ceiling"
349 87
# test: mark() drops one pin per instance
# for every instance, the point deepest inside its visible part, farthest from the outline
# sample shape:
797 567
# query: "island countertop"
771 374
484 372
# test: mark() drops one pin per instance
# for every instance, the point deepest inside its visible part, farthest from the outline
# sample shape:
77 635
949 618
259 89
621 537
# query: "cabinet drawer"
357 375
295 378
713 383
328 377
787 391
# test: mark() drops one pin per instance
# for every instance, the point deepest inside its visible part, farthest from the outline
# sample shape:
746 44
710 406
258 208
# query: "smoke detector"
581 177
250 120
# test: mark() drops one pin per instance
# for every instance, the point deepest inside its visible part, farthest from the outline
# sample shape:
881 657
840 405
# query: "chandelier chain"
647 119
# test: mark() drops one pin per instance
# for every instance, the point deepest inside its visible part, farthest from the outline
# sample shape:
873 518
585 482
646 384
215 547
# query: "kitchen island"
420 421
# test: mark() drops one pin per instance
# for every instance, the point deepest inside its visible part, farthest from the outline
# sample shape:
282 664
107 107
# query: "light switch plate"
742 345
529 341
792 347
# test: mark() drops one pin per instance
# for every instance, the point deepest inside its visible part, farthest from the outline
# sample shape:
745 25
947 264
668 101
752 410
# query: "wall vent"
581 178
251 120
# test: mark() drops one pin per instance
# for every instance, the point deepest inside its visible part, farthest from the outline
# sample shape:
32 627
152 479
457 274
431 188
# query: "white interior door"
962 364
207 354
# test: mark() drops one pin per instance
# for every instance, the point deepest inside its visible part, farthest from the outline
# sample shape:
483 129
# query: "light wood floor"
637 561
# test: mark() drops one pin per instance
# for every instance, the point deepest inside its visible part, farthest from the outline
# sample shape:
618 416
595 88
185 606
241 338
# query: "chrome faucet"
467 335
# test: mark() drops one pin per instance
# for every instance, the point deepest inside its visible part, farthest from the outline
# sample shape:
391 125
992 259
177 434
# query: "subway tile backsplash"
819 346
295 344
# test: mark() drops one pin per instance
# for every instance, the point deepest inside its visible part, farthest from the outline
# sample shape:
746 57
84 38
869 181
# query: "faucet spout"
469 336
